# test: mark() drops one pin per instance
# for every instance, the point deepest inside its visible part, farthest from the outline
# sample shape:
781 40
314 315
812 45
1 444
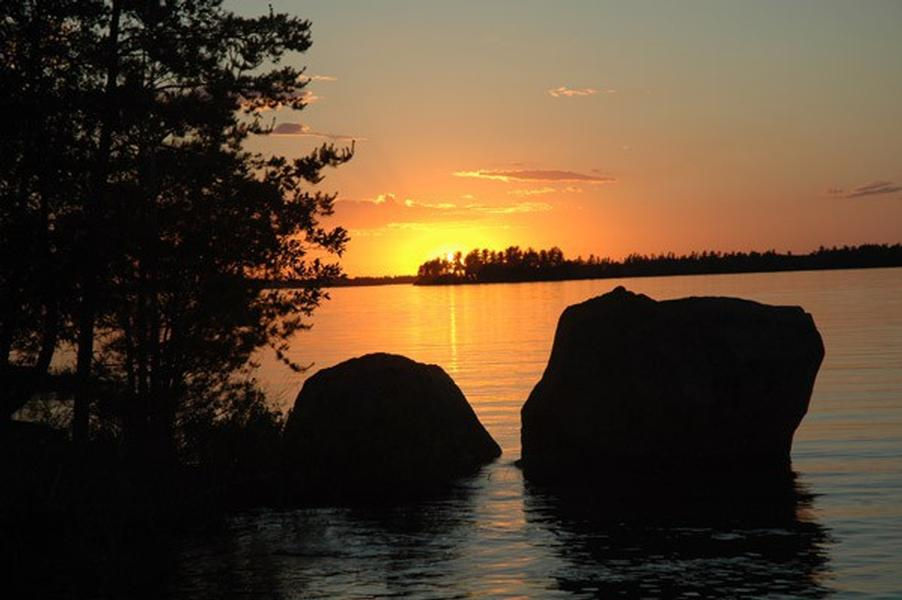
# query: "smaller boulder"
381 425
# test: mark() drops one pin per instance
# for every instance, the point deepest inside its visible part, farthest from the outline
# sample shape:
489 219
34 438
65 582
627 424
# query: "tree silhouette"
42 172
513 264
167 223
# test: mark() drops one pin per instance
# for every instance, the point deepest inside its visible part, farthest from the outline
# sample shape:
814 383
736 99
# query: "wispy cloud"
308 97
545 190
382 198
510 209
565 92
391 210
319 78
300 130
875 188
291 129
568 92
394 227
534 192
427 225
409 225
534 175
410 203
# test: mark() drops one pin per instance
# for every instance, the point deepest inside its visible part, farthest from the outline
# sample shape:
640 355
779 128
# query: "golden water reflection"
495 339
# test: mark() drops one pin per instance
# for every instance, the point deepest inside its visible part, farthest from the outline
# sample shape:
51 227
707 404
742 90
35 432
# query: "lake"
838 531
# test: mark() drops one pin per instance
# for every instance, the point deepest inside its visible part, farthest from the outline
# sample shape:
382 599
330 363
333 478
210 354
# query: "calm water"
836 531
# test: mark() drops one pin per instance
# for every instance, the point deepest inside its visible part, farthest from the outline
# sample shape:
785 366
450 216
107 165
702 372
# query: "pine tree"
173 225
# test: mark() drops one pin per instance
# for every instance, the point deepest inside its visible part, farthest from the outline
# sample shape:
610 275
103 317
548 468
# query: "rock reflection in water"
702 539
359 552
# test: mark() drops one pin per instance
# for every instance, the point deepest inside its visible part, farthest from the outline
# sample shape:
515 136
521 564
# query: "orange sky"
603 127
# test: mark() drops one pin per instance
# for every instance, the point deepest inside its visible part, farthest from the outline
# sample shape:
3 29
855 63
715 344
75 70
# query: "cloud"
565 92
411 225
300 130
319 78
510 209
389 208
291 129
308 97
871 189
523 207
534 192
568 92
546 190
534 175
391 198
410 203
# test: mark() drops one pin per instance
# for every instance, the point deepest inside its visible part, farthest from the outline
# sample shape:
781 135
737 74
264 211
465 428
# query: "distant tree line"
514 264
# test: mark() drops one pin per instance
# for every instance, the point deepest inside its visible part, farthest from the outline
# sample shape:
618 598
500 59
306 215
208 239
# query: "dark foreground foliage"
89 522
134 230
134 224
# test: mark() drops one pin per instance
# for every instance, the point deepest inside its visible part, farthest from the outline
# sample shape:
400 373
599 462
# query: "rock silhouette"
678 386
381 425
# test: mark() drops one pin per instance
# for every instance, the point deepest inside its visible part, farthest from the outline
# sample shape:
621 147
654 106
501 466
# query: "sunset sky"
602 127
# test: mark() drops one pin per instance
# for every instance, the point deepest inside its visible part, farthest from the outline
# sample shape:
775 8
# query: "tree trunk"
87 313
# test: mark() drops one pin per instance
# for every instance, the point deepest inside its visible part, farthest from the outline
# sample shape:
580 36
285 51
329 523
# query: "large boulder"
381 425
680 386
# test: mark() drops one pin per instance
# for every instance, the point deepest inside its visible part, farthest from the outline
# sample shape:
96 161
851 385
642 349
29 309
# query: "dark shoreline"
649 275
516 265
411 280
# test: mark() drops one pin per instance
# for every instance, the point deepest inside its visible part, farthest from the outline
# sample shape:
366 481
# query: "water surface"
835 530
